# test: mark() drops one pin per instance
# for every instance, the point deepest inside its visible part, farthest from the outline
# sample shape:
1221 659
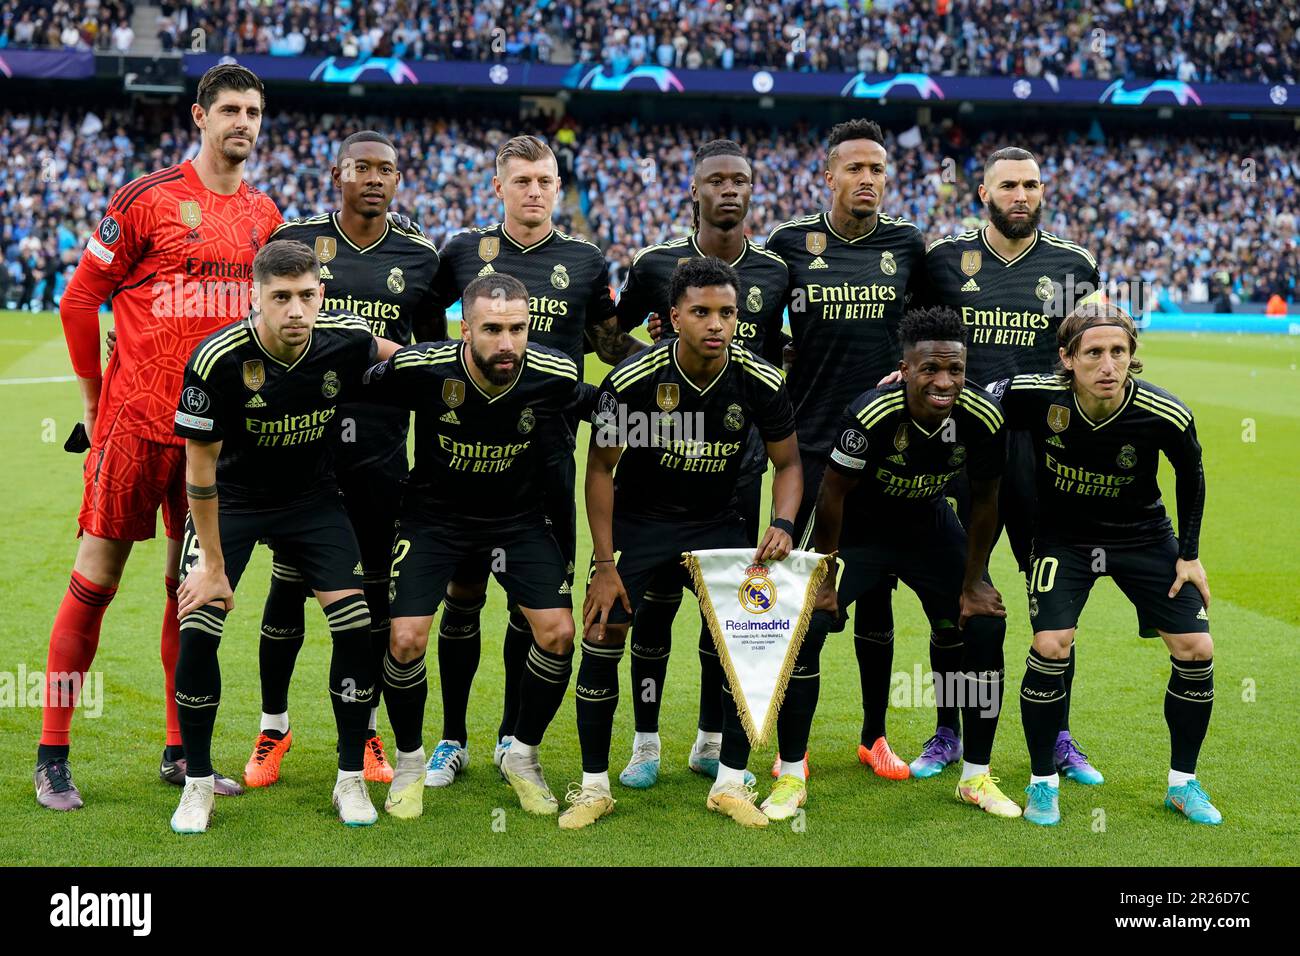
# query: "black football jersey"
389 284
902 467
274 420
1011 308
1097 480
686 444
764 281
568 286
479 459
846 300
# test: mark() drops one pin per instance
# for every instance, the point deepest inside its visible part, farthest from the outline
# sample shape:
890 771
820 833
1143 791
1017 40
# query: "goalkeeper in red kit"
174 252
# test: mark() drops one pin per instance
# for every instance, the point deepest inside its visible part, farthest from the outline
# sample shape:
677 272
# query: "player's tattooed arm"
787 492
611 343
206 582
979 598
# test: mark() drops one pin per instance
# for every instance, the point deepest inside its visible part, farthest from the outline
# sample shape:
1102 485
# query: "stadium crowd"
1190 40
1181 213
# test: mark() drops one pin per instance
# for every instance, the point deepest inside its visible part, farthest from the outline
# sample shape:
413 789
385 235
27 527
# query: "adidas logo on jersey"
970 286
565 589
486 270
450 418
898 459
325 273
818 263
1055 441
1201 615
257 401
358 569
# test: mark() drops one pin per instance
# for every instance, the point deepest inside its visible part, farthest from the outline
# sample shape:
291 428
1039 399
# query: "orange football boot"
377 767
883 761
263 767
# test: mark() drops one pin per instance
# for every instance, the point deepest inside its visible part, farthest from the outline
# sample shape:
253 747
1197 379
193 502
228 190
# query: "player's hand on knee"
1192 570
775 546
655 326
893 378
110 342
202 587
980 600
827 599
604 588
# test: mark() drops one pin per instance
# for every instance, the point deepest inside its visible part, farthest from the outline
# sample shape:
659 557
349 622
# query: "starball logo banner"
758 615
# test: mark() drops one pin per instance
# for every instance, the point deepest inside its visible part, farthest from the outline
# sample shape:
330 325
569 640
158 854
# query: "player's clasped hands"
604 588
202 587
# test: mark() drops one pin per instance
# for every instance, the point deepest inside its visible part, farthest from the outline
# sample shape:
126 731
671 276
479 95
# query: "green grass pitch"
1245 392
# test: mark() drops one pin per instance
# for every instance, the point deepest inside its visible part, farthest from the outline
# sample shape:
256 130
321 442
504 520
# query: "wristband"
604 561
784 524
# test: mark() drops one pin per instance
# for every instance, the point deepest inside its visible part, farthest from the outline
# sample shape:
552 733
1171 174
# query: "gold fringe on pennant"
758 737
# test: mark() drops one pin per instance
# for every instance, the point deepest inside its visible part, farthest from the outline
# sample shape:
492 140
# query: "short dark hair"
852 129
284 257
714 147
496 286
227 76
364 136
699 273
934 324
1013 153
1090 314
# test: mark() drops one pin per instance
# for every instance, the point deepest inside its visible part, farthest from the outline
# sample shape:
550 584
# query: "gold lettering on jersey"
327 247
488 247
560 277
852 302
971 262
707 457
754 300
815 243
543 310
912 486
377 311
254 374
887 264
1044 290
479 457
191 213
900 438
396 284
1058 418
453 392
1080 481
668 396
998 326
290 429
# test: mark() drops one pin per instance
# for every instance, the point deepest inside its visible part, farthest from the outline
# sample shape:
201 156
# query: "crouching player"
264 471
882 506
1098 433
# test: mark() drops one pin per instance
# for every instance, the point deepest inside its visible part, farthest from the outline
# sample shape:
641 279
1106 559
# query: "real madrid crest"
329 387
254 374
958 456
815 242
1058 418
396 283
1045 290
668 396
488 247
887 264
453 392
754 300
735 417
971 262
900 437
327 247
1127 457
757 593
560 277
526 421
191 213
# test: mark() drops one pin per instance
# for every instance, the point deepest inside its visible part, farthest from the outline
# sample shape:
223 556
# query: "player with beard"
1012 283
852 271
378 266
172 237
570 306
721 189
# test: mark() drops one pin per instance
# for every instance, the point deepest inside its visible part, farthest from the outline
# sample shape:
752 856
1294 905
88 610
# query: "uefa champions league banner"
758 615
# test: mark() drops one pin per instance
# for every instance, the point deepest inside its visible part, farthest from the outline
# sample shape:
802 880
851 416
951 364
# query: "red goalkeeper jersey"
176 260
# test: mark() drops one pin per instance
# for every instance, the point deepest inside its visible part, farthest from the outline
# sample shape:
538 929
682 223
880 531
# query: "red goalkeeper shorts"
127 479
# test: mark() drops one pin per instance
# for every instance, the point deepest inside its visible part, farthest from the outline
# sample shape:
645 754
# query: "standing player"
675 492
373 268
1098 432
1010 281
482 410
263 471
721 189
883 509
852 270
569 301
175 253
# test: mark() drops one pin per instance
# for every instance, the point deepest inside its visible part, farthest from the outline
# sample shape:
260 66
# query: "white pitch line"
38 381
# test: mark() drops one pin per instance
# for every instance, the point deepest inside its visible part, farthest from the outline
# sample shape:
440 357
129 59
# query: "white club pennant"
758 614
